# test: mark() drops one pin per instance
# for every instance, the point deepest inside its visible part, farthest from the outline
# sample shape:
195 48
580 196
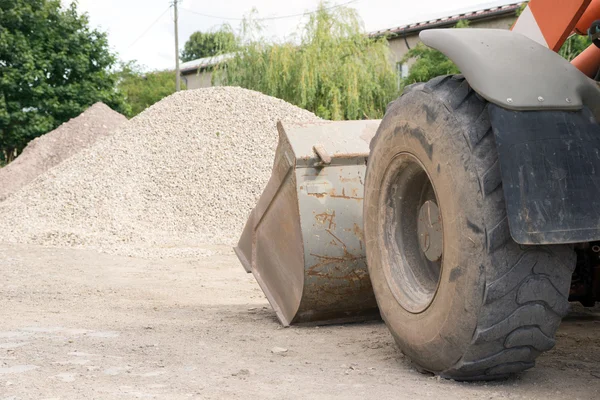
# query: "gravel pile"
49 150
184 173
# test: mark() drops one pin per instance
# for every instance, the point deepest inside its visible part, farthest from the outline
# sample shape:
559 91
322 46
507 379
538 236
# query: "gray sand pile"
51 149
185 172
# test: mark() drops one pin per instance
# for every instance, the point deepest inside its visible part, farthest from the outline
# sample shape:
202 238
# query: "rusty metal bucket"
303 241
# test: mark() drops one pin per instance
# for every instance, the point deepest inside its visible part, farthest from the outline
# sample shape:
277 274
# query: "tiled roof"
450 20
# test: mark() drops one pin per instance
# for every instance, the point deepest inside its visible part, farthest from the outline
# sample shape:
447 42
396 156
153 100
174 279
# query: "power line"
149 27
269 18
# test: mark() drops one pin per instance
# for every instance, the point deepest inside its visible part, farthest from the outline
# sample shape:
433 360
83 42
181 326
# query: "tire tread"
532 290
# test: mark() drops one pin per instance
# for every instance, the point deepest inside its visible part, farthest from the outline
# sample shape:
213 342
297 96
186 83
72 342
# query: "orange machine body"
550 22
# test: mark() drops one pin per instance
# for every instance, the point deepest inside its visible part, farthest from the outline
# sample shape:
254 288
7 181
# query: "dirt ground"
78 324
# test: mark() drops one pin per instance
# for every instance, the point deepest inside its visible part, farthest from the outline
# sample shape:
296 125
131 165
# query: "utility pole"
177 77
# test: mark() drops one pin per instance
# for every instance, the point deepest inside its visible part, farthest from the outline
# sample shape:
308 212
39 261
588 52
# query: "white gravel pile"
51 149
184 173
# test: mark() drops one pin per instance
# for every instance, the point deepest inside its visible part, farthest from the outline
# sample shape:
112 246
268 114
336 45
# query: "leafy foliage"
140 89
336 71
53 67
207 44
574 46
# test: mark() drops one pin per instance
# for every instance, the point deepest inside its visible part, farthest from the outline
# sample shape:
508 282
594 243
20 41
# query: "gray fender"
514 72
544 115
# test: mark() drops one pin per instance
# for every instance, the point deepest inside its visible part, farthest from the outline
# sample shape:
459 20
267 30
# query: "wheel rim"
412 232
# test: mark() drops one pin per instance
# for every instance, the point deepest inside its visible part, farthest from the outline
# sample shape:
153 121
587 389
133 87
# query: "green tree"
207 44
335 71
574 46
52 67
142 89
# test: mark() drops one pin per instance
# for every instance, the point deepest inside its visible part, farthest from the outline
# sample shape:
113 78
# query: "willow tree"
334 70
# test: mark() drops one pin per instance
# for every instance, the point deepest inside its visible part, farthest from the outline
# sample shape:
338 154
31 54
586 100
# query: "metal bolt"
596 249
541 99
568 99
509 100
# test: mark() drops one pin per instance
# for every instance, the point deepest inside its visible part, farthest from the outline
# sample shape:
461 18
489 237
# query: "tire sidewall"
420 125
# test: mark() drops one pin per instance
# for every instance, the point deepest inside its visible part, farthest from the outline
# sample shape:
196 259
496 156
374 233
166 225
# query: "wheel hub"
429 229
412 230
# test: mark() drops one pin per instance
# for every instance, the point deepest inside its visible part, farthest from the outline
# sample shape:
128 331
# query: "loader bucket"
304 240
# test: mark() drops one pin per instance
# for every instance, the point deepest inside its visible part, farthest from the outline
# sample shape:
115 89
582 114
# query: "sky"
142 30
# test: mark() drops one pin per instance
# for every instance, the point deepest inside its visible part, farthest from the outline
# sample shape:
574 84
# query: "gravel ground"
51 149
77 324
186 171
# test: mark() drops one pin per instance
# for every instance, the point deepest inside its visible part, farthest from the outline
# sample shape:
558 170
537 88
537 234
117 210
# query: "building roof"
482 12
203 63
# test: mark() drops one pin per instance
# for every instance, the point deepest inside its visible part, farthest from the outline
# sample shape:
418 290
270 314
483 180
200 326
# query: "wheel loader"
467 218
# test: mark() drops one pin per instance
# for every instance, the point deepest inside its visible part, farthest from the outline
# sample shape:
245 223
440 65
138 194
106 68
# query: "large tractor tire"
460 297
